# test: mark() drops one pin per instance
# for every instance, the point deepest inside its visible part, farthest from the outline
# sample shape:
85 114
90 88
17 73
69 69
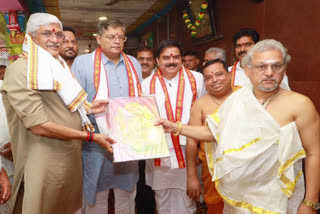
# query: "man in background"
69 46
214 53
146 59
190 60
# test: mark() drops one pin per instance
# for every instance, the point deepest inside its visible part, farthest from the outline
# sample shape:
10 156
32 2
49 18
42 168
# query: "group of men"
48 103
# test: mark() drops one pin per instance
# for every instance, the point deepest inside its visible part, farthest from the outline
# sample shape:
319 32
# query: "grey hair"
110 22
265 45
38 19
220 53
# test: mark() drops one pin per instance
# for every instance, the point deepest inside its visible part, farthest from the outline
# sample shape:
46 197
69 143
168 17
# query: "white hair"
38 19
220 53
265 45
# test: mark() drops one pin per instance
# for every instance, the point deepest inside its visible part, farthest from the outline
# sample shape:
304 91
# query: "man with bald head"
46 108
69 46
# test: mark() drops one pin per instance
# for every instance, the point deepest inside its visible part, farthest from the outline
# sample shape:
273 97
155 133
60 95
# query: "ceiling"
82 15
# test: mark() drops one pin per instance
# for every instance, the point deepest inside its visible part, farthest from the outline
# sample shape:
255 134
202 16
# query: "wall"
294 23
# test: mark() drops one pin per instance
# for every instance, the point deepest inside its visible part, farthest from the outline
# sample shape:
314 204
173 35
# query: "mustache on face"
53 45
171 65
242 52
143 64
70 49
269 79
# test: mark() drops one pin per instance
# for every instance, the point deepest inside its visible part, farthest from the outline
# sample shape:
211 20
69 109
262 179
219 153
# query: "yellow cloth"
257 168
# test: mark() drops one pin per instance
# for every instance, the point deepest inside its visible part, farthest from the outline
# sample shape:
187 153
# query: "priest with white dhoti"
262 132
175 88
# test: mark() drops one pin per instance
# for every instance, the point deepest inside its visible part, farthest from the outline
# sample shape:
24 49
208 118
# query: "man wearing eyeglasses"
108 73
243 41
257 167
69 46
45 108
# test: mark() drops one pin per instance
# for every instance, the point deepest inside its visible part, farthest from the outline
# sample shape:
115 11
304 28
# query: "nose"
269 71
242 47
116 39
53 38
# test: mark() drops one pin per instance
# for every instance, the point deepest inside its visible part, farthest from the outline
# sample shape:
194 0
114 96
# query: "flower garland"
191 26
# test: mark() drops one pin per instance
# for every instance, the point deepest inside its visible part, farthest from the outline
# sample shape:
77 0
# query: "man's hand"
193 188
104 141
168 126
99 106
304 209
5 187
6 151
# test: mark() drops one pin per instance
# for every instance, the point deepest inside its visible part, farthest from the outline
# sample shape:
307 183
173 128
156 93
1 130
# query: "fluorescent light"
87 50
101 18
94 34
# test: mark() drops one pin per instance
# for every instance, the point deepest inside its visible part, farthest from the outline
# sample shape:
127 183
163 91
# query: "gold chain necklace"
266 101
215 101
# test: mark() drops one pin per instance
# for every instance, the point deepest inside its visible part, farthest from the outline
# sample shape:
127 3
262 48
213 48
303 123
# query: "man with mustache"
46 111
263 132
108 73
175 88
69 47
243 41
146 59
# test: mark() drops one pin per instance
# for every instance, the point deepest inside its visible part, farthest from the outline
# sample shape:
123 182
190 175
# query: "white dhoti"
257 165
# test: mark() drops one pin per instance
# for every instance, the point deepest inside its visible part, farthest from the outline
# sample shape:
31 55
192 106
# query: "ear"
32 36
247 70
157 60
98 38
197 61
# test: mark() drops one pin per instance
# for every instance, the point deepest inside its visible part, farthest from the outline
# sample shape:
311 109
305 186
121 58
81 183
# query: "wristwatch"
314 205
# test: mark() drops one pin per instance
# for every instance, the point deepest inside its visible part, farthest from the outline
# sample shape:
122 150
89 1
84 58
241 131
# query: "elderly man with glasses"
45 108
108 73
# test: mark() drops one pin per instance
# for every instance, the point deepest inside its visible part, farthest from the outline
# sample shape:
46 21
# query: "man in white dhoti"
263 132
175 88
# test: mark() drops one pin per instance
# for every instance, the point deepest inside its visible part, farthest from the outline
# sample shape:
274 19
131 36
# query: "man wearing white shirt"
243 41
175 88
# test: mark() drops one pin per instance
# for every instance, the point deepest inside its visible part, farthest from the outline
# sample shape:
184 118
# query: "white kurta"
241 78
4 137
259 166
169 175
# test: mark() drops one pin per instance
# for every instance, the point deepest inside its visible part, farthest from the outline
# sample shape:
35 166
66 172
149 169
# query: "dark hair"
210 62
246 32
191 53
145 49
168 43
69 29
110 22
